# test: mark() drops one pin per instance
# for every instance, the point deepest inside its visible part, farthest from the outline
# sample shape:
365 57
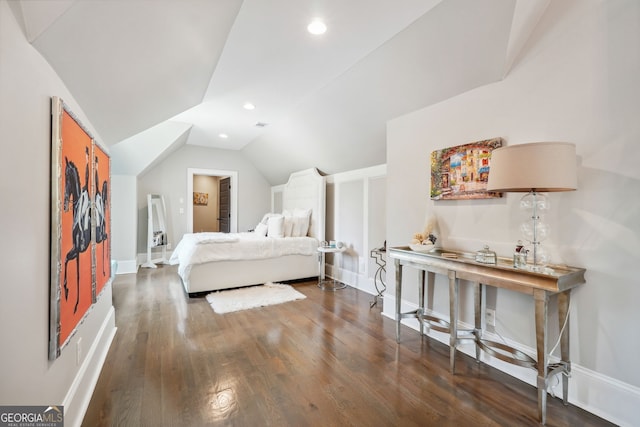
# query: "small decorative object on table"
486 256
421 247
426 240
520 256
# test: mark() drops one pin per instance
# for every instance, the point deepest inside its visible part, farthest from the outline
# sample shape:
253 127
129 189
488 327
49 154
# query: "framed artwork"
71 195
200 199
101 220
80 224
461 172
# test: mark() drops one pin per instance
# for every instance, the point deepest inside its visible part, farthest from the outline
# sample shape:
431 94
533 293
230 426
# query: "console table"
557 281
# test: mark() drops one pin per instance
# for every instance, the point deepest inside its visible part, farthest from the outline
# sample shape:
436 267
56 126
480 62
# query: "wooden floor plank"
327 360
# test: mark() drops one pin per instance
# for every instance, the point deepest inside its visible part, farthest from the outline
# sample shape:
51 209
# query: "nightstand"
323 283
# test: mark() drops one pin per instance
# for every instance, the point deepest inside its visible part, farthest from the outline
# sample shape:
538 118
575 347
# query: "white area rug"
252 297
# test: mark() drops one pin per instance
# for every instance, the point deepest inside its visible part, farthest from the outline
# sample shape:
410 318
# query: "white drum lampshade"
538 166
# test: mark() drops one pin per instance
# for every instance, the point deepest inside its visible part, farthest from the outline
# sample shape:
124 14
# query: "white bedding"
199 248
234 260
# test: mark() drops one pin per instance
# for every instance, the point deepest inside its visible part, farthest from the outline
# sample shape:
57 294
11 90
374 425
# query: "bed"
214 261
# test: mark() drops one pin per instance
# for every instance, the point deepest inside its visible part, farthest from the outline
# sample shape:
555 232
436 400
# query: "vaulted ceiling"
153 75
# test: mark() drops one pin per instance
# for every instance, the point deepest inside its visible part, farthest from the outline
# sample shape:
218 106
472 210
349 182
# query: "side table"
323 283
381 272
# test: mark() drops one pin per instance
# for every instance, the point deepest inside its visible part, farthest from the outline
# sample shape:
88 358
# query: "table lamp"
534 168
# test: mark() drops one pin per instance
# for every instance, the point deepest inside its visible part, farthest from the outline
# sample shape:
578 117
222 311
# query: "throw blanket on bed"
199 248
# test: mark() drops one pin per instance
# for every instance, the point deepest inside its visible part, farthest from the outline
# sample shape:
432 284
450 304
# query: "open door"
224 206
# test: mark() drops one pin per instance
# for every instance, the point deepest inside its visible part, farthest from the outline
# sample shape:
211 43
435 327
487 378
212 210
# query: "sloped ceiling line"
137 64
38 15
525 18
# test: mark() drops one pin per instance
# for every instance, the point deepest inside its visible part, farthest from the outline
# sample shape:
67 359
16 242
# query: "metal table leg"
477 303
398 298
453 319
541 304
420 312
564 299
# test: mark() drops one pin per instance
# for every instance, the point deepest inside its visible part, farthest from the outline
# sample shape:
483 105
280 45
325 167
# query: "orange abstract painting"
102 217
80 231
75 242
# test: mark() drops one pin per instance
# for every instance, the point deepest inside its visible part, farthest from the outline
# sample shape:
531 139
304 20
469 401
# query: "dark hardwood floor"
327 360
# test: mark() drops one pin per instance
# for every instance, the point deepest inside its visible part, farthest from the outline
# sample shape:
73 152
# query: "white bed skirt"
234 274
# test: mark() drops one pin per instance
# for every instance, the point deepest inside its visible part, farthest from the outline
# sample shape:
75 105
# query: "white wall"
124 215
27 377
576 81
356 216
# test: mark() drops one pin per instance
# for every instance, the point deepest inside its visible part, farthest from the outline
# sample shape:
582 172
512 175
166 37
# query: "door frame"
233 175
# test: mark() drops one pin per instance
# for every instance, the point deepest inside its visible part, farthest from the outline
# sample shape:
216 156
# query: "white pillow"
266 217
301 222
261 229
275 226
288 223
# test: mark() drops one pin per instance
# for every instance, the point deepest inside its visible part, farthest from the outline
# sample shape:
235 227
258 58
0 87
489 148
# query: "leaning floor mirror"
156 231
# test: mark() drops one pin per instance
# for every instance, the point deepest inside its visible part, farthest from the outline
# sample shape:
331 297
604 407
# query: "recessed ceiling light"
223 135
249 106
317 27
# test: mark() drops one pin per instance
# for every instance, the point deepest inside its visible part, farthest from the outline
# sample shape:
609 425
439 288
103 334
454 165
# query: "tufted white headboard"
306 189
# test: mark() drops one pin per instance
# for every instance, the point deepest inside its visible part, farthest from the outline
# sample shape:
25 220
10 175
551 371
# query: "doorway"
207 204
222 201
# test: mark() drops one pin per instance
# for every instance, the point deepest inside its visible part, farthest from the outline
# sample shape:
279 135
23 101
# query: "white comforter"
199 248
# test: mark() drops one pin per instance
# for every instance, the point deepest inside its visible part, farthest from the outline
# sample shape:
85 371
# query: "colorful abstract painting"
461 172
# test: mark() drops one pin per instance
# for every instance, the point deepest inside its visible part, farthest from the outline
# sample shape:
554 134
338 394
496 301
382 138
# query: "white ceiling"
155 74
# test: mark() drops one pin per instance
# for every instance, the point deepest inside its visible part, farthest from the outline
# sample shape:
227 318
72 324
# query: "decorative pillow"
261 229
266 217
275 226
301 222
288 223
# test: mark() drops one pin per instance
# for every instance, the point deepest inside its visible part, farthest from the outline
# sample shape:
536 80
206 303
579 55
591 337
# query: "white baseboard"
608 398
352 279
128 266
79 395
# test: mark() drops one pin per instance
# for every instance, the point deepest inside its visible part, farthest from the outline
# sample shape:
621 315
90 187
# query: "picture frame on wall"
80 181
200 199
462 171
